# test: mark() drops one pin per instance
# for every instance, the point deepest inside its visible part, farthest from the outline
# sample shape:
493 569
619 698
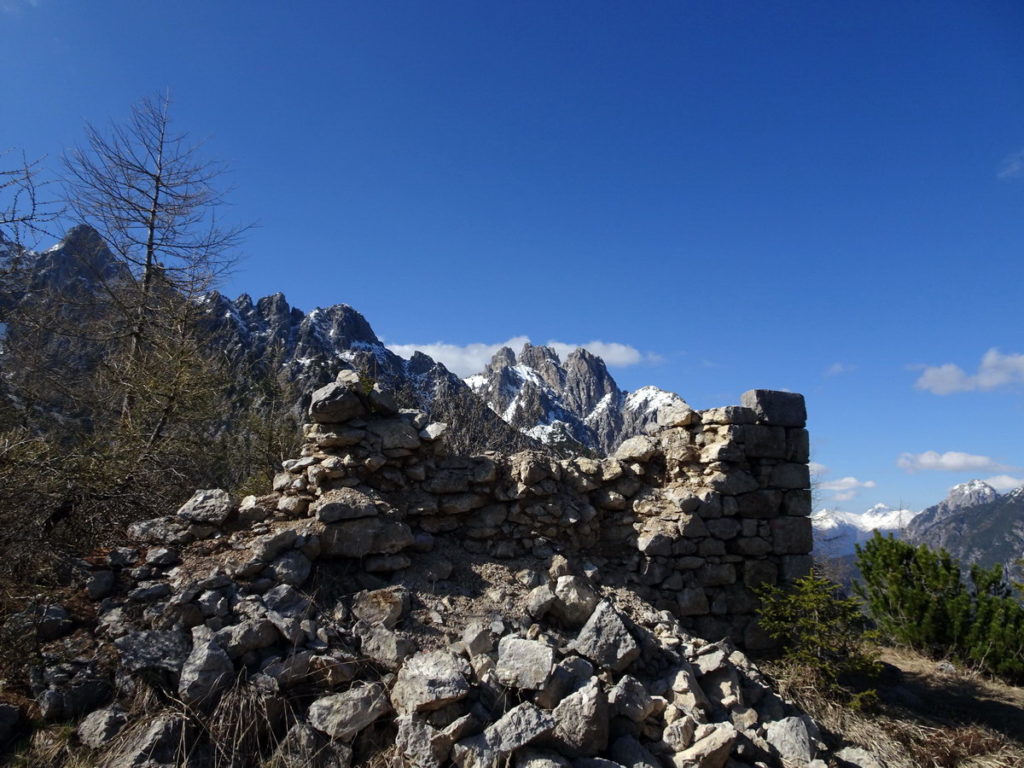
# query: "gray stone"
162 745
385 607
212 506
366 536
523 664
433 431
344 504
606 641
790 739
856 757
266 548
679 733
250 635
518 727
162 557
581 721
291 568
712 751
791 476
540 758
384 646
99 584
335 403
99 727
792 535
153 650
286 609
630 699
686 692
207 671
53 621
395 433
627 751
675 415
576 600
692 602
343 715
303 747
160 530
429 681
540 600
639 448
784 409
422 745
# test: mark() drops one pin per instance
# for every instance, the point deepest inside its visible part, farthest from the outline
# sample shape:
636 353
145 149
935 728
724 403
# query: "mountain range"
974 523
530 401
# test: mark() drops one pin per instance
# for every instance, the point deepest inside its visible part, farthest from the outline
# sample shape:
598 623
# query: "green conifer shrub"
918 597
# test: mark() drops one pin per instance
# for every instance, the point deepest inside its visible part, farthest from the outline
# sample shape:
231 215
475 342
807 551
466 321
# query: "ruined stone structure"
712 504
460 610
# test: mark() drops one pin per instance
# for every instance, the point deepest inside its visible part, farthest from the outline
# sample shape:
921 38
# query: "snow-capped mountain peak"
576 403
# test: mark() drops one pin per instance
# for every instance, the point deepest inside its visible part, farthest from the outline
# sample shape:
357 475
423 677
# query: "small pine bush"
919 598
822 634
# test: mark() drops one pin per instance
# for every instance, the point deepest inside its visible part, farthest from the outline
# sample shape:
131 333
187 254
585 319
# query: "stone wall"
693 516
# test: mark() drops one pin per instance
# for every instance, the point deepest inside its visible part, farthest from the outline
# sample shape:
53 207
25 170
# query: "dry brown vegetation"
932 715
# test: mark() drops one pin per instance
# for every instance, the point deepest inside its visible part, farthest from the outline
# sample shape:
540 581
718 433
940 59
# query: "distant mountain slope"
575 405
975 524
836 533
310 347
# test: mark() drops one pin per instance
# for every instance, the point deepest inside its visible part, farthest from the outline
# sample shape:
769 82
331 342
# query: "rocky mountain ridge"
975 524
530 402
836 532
575 405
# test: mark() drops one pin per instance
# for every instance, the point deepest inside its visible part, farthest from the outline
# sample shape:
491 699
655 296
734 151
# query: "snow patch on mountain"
836 532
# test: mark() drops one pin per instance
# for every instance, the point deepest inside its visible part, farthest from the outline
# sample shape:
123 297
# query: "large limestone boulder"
342 716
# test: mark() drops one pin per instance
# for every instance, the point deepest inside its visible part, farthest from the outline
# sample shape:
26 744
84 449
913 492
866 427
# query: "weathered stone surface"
207 671
790 739
518 727
630 699
303 747
627 751
784 409
153 650
359 538
245 636
53 621
212 506
395 433
381 606
712 751
679 733
639 448
385 646
523 664
99 727
429 681
606 641
343 715
422 745
164 743
335 403
792 535
540 758
344 504
291 568
576 600
581 721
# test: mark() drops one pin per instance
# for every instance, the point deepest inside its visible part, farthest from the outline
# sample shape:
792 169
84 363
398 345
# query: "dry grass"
928 719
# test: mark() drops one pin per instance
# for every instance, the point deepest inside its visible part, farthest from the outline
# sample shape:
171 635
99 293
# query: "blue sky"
822 197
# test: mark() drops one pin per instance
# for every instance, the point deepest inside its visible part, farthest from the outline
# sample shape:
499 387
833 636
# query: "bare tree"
24 210
155 202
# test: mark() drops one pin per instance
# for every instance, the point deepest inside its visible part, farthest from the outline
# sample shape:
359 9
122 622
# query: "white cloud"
817 469
1012 166
839 368
995 370
460 360
614 354
465 360
950 461
845 488
1004 483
